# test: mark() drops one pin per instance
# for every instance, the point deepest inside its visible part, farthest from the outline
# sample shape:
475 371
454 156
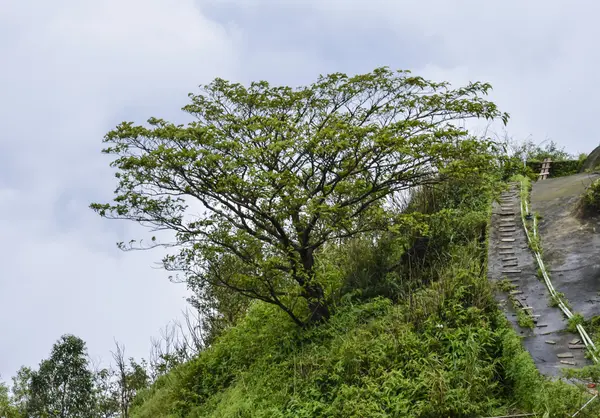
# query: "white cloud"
71 71
540 56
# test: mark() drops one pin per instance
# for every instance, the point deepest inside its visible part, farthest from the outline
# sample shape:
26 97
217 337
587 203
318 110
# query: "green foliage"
559 297
588 373
62 386
524 319
532 392
217 307
591 199
565 168
516 153
435 346
505 285
106 396
432 353
446 352
7 407
576 319
367 267
557 168
128 379
370 359
281 172
532 152
21 390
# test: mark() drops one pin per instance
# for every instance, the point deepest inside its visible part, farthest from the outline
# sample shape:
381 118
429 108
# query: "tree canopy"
266 175
63 385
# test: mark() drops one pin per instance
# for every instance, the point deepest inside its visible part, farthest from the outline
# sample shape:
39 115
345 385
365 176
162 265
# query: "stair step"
565 355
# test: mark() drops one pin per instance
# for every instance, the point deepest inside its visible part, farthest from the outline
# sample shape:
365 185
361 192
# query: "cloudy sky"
72 69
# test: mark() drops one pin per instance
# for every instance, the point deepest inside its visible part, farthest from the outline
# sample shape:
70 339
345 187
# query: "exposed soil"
509 258
571 243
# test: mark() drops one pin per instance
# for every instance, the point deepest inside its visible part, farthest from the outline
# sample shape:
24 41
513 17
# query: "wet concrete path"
509 258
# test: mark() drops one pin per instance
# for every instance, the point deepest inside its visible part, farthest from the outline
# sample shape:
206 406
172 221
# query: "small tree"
106 394
131 378
280 172
8 409
21 390
63 385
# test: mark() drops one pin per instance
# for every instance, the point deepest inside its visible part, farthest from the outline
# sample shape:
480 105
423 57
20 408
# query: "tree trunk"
319 309
313 292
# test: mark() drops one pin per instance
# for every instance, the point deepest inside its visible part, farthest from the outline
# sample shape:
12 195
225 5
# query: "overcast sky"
70 70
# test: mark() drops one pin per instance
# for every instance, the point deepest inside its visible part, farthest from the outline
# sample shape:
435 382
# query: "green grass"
445 351
505 285
576 319
439 347
555 300
524 319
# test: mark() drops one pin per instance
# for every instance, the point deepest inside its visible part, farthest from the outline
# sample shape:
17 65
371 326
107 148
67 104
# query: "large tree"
275 173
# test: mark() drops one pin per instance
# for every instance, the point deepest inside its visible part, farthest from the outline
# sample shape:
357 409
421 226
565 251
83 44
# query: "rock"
592 161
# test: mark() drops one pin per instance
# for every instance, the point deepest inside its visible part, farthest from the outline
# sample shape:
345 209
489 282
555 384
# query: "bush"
434 356
591 199
557 168
435 346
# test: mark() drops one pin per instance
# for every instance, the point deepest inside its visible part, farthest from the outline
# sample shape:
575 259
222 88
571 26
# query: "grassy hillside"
431 344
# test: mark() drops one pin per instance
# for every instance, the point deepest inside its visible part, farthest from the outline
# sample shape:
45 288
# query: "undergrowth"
524 318
591 199
446 351
419 338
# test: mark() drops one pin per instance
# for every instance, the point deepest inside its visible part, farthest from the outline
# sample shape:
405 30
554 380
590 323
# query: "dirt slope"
571 244
509 258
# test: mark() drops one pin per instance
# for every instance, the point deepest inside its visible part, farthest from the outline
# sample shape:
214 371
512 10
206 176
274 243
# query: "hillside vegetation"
334 241
351 217
436 346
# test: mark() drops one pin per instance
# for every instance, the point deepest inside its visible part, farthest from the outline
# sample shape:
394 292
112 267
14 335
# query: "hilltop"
351 250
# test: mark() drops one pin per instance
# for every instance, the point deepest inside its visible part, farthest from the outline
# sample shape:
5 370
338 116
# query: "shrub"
591 198
557 168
